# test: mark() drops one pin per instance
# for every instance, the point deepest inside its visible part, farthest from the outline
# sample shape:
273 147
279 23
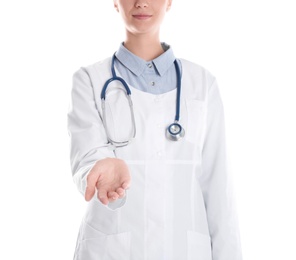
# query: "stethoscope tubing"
175 136
178 72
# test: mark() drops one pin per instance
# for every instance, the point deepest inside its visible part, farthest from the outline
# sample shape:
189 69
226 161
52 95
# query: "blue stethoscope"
174 131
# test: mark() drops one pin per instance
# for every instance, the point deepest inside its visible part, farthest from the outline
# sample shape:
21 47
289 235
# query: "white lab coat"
181 203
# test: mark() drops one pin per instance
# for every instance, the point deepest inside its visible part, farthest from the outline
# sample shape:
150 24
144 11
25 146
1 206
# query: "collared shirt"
156 76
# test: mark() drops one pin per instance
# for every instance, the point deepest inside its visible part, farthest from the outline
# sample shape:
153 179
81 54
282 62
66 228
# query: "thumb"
102 196
91 187
89 193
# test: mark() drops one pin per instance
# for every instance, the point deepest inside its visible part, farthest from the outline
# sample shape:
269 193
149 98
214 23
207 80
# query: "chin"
142 30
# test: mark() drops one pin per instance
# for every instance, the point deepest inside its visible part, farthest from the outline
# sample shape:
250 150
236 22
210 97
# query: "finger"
89 193
91 186
125 185
112 195
120 192
102 196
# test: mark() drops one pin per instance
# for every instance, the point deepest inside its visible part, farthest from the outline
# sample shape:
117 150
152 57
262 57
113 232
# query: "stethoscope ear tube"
103 98
132 115
117 143
104 89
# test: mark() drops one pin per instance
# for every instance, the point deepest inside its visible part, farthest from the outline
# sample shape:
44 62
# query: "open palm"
110 176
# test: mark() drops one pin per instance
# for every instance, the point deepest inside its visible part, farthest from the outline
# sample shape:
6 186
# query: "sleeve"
216 183
88 140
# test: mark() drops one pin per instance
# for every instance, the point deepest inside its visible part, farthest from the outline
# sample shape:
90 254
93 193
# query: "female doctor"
148 151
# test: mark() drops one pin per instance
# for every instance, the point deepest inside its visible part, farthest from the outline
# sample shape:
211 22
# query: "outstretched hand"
111 177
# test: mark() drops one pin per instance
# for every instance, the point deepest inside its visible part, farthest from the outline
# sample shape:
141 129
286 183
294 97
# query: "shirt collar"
137 65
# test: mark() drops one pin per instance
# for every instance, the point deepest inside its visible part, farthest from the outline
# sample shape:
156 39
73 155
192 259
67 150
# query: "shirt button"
152 83
149 65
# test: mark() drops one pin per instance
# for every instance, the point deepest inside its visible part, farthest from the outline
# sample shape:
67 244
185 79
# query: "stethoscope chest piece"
175 132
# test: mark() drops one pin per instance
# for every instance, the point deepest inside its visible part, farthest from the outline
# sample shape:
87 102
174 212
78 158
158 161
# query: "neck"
147 47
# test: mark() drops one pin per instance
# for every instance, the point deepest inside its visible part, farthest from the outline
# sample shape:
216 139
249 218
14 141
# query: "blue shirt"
156 76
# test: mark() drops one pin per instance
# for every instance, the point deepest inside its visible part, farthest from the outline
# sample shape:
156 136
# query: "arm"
88 140
216 183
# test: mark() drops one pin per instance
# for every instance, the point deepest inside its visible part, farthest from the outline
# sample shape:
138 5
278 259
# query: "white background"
248 45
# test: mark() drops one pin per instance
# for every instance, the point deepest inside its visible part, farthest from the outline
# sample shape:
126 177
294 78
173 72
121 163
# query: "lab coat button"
159 153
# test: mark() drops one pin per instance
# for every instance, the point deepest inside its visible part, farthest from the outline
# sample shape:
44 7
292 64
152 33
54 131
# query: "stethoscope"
174 131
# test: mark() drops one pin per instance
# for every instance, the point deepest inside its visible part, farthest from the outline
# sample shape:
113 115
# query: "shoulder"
196 79
94 72
94 67
193 69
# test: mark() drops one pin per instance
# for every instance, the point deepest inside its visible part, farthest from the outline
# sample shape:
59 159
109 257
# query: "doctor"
152 193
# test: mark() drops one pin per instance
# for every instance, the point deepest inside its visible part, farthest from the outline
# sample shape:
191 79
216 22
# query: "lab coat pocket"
95 245
195 120
198 246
